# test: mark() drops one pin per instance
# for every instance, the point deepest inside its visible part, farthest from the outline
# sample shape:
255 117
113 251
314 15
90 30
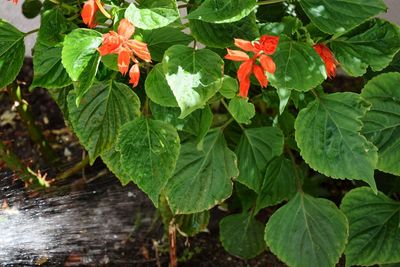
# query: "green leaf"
159 40
298 66
157 88
256 147
241 110
341 15
372 44
197 123
202 178
279 183
382 121
110 61
60 95
222 35
284 96
103 110
149 151
12 52
112 159
194 76
49 72
223 11
374 221
307 231
288 26
192 224
152 14
242 235
328 135
81 58
229 88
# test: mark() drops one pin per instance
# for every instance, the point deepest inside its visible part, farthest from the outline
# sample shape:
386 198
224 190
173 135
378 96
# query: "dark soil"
146 246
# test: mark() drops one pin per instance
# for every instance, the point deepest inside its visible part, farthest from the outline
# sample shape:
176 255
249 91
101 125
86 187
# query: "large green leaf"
222 35
197 123
159 40
298 66
202 178
328 135
157 88
336 16
194 76
12 52
382 121
112 159
279 183
229 87
149 151
103 110
374 228
242 235
372 44
307 231
81 58
241 110
49 72
256 147
192 224
152 14
223 11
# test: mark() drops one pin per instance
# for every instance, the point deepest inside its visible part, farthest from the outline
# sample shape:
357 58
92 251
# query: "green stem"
269 2
13 163
32 31
76 168
35 133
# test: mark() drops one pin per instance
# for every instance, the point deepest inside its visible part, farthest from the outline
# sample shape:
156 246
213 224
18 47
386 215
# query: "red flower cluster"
328 58
265 46
126 48
89 12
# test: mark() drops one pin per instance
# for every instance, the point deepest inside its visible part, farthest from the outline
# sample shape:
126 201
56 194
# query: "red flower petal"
111 43
134 75
244 70
88 13
126 29
246 45
267 63
260 75
140 49
124 58
267 44
244 87
236 55
329 59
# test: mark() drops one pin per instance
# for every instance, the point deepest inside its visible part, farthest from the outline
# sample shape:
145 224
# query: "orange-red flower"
89 10
329 59
14 1
258 64
126 48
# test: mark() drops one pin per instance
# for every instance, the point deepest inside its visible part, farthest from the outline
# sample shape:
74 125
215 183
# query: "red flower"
328 58
126 48
89 10
265 46
14 1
